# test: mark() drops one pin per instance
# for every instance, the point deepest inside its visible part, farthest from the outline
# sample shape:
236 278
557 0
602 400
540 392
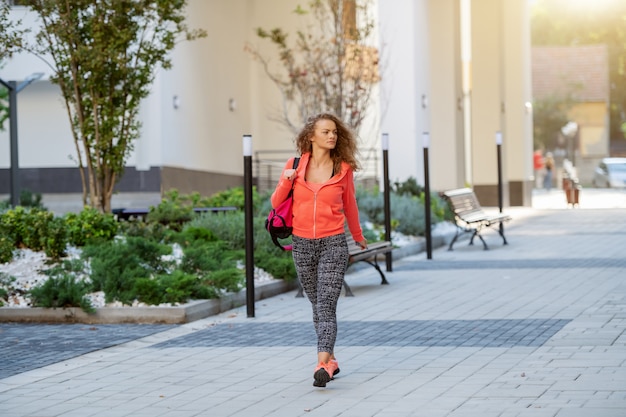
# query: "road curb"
192 311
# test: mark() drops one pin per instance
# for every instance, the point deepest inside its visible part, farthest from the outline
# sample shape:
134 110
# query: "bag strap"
296 161
275 239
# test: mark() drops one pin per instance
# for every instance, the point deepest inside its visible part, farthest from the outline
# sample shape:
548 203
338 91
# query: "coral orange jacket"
321 213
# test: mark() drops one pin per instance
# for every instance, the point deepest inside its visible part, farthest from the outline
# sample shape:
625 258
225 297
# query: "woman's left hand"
362 244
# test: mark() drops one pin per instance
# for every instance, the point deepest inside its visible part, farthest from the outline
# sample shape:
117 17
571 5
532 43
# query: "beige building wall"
198 111
405 87
202 104
221 94
486 87
500 89
593 138
446 117
592 119
517 124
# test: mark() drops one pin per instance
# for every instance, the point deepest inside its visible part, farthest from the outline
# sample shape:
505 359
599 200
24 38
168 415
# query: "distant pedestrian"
324 198
549 166
538 167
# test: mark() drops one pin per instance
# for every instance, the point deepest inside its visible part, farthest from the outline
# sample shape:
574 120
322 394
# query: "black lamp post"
249 223
14 88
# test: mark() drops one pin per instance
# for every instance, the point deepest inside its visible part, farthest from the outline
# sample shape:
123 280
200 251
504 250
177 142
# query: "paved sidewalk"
535 328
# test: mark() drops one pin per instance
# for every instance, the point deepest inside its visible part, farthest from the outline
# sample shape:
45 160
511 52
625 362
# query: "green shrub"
117 265
407 210
230 228
170 213
151 253
27 199
227 279
214 262
55 241
90 225
233 197
63 290
201 258
177 287
36 228
26 227
409 187
191 234
13 222
152 231
114 269
30 199
6 248
6 287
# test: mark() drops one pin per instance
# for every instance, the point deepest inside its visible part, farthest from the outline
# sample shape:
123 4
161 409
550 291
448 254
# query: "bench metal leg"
480 237
383 279
501 231
300 293
456 236
347 288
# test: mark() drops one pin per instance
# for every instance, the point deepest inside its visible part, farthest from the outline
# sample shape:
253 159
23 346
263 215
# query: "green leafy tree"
11 41
330 66
567 23
550 114
106 53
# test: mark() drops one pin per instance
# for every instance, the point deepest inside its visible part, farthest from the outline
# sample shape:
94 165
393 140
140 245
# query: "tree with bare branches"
331 66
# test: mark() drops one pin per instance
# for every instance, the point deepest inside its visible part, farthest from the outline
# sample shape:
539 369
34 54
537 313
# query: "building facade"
457 70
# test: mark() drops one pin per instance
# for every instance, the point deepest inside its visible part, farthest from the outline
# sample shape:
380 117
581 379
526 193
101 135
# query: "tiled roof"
556 68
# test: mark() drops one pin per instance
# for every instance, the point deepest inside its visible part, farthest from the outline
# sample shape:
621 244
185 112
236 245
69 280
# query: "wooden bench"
356 254
470 217
141 213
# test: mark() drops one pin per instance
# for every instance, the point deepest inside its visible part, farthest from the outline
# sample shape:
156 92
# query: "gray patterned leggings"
321 265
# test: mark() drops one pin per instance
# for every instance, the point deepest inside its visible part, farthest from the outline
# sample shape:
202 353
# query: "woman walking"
324 199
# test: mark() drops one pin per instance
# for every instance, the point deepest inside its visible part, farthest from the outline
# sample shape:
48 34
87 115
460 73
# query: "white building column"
405 87
445 102
500 89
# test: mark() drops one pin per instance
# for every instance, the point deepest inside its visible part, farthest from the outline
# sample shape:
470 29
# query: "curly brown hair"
345 149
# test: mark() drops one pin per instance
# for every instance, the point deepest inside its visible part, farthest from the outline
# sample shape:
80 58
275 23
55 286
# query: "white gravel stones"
27 267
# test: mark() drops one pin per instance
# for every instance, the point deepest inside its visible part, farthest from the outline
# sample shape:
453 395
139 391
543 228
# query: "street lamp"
15 88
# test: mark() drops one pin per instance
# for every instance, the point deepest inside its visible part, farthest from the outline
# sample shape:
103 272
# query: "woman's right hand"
290 174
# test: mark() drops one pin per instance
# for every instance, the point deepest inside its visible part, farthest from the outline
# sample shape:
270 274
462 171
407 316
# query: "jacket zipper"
315 215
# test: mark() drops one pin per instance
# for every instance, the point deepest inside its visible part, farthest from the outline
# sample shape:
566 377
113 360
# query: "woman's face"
325 134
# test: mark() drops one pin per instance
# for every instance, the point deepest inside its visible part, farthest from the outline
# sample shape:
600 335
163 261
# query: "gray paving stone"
531 329
28 346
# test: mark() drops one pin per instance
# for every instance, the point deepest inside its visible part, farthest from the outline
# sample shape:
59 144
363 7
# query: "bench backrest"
463 202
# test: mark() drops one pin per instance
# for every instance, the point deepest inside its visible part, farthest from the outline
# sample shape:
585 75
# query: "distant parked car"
610 173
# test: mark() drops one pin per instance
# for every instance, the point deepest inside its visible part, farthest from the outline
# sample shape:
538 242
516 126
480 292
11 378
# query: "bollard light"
386 198
500 185
247 145
427 231
249 224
